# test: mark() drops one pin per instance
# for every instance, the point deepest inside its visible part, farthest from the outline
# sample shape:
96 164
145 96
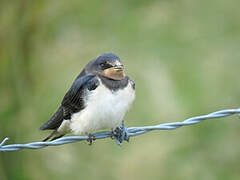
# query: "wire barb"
4 141
123 135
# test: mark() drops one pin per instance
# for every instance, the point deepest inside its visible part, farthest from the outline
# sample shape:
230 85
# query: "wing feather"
72 102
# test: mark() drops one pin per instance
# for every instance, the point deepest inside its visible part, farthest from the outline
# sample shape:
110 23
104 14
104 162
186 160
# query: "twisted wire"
124 134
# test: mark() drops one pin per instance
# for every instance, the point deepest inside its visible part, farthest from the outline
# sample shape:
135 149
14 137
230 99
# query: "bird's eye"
102 65
105 65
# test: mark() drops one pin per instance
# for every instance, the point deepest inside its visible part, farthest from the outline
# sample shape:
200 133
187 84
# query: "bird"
98 99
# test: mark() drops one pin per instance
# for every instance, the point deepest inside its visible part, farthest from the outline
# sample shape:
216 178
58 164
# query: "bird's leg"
90 139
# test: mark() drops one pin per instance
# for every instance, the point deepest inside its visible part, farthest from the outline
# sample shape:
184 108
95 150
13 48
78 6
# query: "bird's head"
107 65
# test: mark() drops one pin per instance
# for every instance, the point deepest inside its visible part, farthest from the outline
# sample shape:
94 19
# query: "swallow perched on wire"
98 99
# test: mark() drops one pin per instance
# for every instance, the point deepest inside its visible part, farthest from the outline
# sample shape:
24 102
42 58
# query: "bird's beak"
118 67
115 72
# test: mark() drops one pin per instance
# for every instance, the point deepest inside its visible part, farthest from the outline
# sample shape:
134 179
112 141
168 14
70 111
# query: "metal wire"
123 134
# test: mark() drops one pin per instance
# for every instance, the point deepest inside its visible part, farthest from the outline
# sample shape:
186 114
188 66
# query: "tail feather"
48 137
51 136
57 137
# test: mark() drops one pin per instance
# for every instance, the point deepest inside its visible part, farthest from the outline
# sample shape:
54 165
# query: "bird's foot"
120 134
116 134
90 139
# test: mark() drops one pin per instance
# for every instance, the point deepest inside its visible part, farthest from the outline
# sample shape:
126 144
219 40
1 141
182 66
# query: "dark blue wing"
73 101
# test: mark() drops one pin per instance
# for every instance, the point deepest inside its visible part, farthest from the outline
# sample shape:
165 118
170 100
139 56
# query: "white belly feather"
105 109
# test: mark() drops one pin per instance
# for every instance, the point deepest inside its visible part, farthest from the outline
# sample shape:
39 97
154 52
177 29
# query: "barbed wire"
123 133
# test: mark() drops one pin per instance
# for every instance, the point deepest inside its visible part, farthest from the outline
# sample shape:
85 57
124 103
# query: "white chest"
105 109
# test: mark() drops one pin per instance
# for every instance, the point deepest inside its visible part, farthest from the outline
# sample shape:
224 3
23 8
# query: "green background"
184 56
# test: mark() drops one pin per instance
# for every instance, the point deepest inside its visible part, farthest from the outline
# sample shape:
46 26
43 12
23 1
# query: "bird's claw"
117 133
120 134
90 138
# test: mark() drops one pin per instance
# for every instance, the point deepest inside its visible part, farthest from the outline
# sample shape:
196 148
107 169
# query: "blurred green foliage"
183 55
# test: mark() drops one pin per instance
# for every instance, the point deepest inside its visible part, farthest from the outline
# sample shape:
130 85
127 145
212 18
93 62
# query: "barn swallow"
98 99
